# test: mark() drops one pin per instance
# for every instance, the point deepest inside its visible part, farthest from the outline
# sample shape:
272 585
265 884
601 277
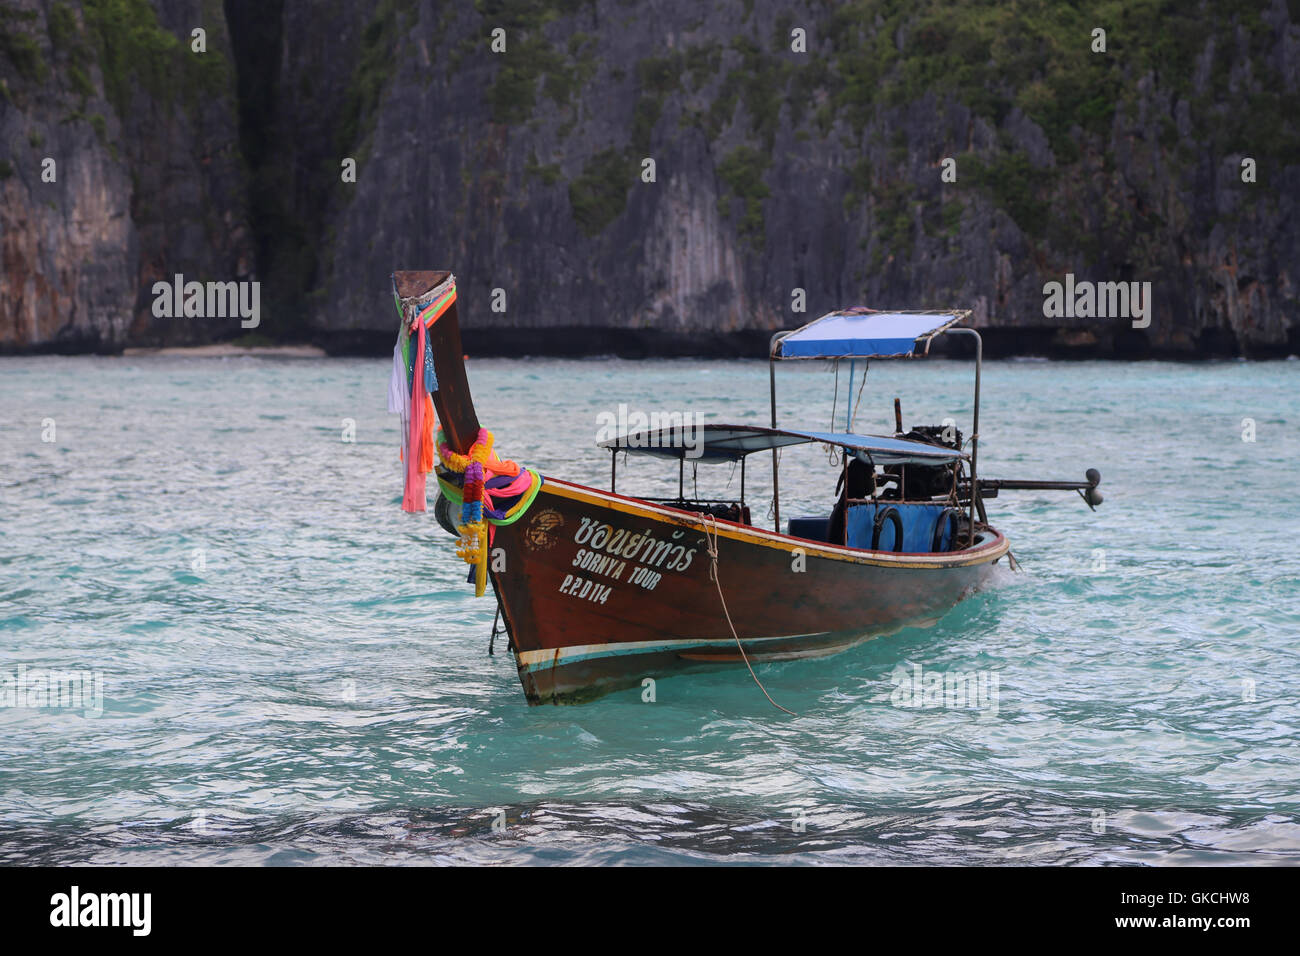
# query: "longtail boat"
599 591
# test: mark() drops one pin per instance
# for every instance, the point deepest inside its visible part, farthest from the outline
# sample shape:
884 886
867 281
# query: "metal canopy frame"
948 329
869 448
681 473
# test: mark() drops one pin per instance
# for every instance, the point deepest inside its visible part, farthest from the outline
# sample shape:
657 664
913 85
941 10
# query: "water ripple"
295 673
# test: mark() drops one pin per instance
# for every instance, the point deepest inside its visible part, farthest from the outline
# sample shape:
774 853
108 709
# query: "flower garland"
524 487
476 511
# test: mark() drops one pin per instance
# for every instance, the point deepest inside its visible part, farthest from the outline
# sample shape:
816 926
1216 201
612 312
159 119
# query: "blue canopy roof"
719 443
863 333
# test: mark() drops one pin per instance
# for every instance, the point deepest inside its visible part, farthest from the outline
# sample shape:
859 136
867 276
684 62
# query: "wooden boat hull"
601 591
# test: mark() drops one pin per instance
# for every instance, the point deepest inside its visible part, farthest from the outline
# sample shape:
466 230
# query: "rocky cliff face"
119 166
778 170
874 152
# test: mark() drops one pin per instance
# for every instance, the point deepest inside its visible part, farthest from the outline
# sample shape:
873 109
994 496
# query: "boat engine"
927 481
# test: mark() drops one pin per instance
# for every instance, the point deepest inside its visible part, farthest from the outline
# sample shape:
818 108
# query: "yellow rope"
712 545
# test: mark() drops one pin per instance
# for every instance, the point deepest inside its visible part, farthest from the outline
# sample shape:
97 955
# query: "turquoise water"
294 671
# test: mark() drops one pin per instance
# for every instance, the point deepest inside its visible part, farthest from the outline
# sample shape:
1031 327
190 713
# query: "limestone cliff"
778 170
877 152
119 166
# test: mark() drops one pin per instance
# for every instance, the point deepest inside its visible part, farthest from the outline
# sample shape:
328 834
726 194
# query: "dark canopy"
720 443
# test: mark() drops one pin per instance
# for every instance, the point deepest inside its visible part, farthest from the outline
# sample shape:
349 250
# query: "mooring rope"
835 400
711 540
866 366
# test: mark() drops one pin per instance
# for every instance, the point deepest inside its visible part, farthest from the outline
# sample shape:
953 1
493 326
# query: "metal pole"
776 477
1013 484
975 436
613 468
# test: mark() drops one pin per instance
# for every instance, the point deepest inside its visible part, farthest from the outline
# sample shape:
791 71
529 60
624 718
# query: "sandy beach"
226 350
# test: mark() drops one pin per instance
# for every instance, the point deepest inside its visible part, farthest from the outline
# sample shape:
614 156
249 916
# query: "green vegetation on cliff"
529 56
18 43
742 171
376 62
132 48
599 194
1044 58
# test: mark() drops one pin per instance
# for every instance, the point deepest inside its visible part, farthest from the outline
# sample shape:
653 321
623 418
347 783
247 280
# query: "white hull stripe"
540 660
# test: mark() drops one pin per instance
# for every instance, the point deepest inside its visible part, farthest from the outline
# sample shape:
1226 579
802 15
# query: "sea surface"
293 671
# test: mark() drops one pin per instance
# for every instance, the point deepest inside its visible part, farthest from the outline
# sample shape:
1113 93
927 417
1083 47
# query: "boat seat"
814 528
918 519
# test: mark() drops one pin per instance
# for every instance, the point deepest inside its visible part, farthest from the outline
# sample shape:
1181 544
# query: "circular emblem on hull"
543 530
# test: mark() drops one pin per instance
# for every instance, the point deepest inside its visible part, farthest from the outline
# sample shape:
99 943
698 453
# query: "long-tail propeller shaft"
1087 489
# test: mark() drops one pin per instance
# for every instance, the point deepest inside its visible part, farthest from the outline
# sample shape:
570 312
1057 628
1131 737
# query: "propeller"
1090 494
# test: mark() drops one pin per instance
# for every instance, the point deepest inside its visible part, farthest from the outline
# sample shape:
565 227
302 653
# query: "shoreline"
226 350
739 345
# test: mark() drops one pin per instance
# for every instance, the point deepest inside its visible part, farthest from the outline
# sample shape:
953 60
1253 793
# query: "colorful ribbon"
435 309
420 443
479 514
